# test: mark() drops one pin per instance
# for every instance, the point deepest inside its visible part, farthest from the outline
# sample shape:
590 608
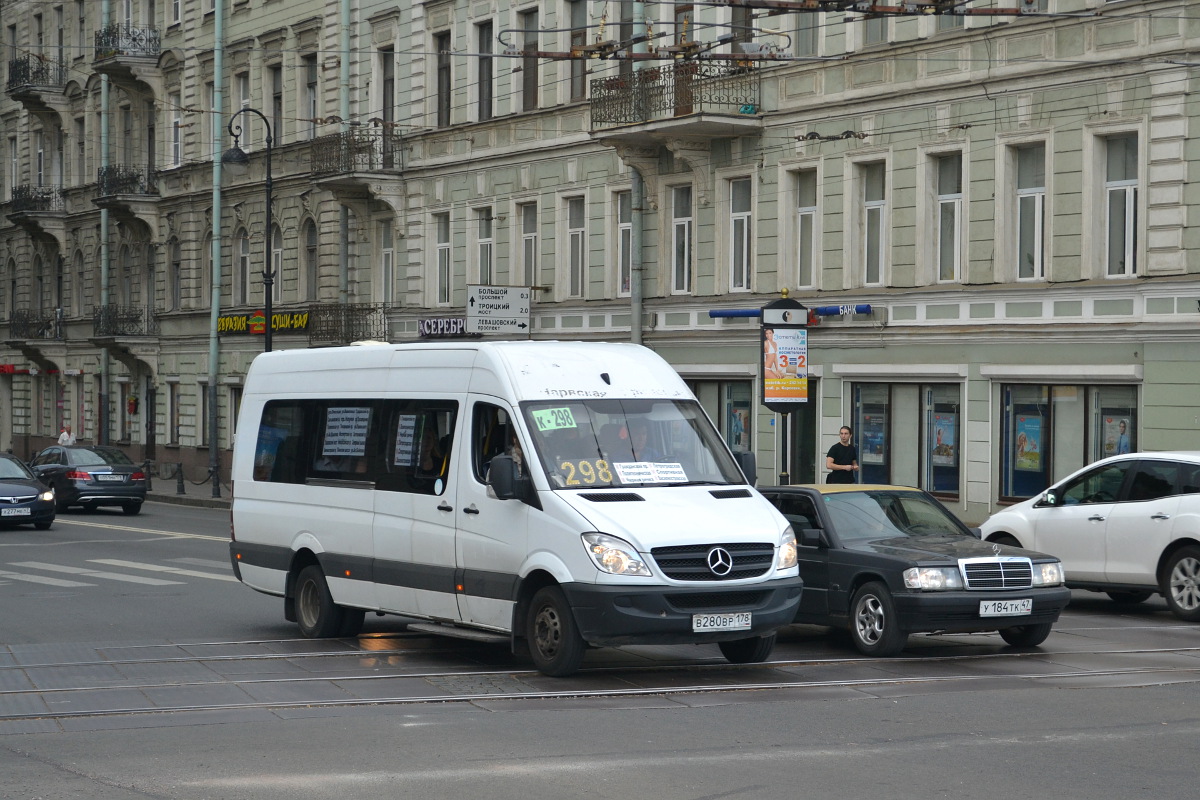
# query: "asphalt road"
145 673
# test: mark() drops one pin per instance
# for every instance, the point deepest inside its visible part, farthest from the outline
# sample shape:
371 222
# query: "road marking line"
88 573
174 534
16 576
116 562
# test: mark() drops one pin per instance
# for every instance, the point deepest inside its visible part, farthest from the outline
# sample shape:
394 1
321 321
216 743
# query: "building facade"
1008 194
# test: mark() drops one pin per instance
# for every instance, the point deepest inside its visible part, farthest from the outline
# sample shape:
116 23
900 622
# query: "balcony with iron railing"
30 199
128 191
684 98
342 323
36 323
129 56
37 83
120 321
358 160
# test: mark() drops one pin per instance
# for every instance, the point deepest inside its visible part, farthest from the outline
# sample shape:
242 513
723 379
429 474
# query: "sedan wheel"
873 624
1026 635
1183 584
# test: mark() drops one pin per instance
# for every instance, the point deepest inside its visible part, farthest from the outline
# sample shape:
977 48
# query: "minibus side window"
492 434
277 454
417 439
341 440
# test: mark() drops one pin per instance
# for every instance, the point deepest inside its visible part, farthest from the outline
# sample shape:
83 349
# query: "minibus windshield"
588 444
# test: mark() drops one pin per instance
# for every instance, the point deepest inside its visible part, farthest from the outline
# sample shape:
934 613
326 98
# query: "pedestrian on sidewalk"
66 437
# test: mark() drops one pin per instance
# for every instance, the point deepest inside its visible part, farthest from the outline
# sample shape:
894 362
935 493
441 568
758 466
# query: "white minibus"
555 495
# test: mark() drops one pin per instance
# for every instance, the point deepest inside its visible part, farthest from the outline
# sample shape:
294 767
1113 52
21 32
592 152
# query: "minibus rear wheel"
316 613
554 640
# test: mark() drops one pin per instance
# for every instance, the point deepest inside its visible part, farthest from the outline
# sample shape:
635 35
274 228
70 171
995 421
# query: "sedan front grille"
22 499
691 562
1008 572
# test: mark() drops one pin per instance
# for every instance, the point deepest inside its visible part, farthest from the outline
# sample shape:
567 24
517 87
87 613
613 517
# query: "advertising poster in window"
785 365
1028 455
945 448
874 438
1117 435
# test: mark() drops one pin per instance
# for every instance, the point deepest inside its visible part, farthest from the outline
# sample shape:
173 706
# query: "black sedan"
24 499
91 477
887 561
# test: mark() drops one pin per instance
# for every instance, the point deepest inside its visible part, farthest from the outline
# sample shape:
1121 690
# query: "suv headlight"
1048 574
47 495
933 578
614 556
787 550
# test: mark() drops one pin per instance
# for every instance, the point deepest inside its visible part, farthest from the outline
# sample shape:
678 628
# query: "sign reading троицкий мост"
498 309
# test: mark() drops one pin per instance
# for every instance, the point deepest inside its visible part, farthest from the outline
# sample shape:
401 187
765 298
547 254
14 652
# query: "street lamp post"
237 160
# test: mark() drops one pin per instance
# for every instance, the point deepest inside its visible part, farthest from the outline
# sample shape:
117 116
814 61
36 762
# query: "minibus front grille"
612 497
716 600
691 562
729 494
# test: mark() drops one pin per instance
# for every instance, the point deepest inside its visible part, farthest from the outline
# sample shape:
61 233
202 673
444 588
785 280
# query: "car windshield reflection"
883 514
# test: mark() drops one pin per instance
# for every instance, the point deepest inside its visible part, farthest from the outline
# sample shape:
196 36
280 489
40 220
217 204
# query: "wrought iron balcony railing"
357 150
28 198
124 179
36 323
124 321
32 70
342 323
675 90
126 40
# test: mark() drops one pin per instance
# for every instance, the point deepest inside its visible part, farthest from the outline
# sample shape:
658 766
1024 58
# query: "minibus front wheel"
316 613
554 641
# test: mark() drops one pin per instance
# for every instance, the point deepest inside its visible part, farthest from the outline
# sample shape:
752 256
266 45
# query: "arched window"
125 283
77 284
241 281
39 284
311 264
150 279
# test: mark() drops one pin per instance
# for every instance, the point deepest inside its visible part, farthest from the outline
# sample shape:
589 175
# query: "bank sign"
256 322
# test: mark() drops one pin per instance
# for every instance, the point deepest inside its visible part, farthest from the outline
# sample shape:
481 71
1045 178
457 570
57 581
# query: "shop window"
730 405
872 413
941 436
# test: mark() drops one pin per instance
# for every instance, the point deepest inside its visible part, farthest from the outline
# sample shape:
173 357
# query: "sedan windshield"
11 469
587 444
883 514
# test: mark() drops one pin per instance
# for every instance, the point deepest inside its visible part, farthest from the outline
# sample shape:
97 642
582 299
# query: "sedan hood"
923 549
15 488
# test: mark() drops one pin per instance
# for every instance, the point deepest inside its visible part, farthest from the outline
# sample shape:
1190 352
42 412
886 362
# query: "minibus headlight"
787 550
614 556
933 578
1048 574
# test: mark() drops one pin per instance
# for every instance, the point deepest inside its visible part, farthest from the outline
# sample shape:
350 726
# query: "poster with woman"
1028 455
945 451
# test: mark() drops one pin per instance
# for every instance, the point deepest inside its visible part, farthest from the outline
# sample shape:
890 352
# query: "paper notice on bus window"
346 431
649 472
406 440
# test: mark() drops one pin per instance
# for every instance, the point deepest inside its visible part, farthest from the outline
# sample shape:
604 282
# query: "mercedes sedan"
91 477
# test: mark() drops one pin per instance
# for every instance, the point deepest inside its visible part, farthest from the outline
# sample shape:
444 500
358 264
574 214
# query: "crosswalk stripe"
16 576
116 562
89 573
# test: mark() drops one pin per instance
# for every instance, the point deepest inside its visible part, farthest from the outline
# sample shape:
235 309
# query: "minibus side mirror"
748 464
502 476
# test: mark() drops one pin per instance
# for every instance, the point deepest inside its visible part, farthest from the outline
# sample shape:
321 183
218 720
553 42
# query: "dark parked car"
91 477
24 499
887 561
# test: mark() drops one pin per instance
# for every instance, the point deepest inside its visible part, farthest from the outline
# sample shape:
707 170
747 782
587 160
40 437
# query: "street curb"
188 500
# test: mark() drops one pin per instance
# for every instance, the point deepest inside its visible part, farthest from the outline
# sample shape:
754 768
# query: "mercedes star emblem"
719 561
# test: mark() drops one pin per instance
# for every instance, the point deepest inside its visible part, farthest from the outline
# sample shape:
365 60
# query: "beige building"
1008 194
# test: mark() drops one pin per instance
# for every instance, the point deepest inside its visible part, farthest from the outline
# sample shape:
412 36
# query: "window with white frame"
576 245
528 215
241 286
486 66
276 263
807 30
176 11
681 239
212 120
175 278
529 63
176 129
873 182
806 227
310 100
445 77
11 179
243 84
275 74
202 421
173 413
441 224
949 22
874 29
740 235
81 175
39 146
949 182
624 202
578 66
387 262
1120 195
485 245
1031 211
311 264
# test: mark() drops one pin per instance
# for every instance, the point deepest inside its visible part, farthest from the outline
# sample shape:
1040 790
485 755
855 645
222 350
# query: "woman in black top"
842 459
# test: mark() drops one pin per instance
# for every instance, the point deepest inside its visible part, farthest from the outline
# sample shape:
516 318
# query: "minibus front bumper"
618 615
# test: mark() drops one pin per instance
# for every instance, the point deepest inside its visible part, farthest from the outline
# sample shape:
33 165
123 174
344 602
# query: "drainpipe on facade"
214 346
102 401
344 113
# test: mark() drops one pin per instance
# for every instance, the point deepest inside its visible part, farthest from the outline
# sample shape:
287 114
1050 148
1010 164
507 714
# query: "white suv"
1128 525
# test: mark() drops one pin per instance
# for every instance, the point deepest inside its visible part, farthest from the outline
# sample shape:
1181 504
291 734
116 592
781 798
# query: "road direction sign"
498 309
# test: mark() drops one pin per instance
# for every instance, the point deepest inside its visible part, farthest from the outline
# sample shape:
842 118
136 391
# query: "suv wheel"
1183 583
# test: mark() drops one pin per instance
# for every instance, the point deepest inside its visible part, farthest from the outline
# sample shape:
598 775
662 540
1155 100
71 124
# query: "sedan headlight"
614 556
47 495
933 578
1049 574
787 550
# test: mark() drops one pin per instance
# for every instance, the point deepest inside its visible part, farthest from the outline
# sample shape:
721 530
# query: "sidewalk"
166 491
